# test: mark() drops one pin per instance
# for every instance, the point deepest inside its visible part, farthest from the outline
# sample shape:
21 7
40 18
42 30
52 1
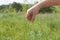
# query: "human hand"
31 13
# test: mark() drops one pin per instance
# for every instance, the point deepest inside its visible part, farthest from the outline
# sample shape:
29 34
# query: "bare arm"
47 3
32 12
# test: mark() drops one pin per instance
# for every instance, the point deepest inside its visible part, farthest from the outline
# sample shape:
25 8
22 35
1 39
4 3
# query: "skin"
33 11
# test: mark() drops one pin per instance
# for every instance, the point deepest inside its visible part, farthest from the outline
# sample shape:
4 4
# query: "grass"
14 26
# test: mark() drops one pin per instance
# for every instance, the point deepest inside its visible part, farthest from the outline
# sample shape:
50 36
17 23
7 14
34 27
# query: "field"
14 26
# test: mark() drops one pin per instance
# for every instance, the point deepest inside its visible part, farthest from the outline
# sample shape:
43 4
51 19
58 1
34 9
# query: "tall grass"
14 26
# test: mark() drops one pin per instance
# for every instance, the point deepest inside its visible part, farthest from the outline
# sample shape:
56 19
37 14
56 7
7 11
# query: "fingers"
29 16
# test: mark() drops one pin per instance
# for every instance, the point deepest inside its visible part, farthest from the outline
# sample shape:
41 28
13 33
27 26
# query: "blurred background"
23 5
14 26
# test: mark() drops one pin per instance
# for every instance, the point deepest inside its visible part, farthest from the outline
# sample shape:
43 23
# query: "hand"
31 13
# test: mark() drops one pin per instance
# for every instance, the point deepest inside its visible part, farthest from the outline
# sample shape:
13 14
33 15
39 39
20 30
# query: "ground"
14 26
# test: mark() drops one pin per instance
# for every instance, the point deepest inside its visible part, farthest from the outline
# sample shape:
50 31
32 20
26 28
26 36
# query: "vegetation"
16 7
14 26
49 9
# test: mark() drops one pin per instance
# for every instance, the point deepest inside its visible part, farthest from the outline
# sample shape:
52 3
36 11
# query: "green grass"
14 26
